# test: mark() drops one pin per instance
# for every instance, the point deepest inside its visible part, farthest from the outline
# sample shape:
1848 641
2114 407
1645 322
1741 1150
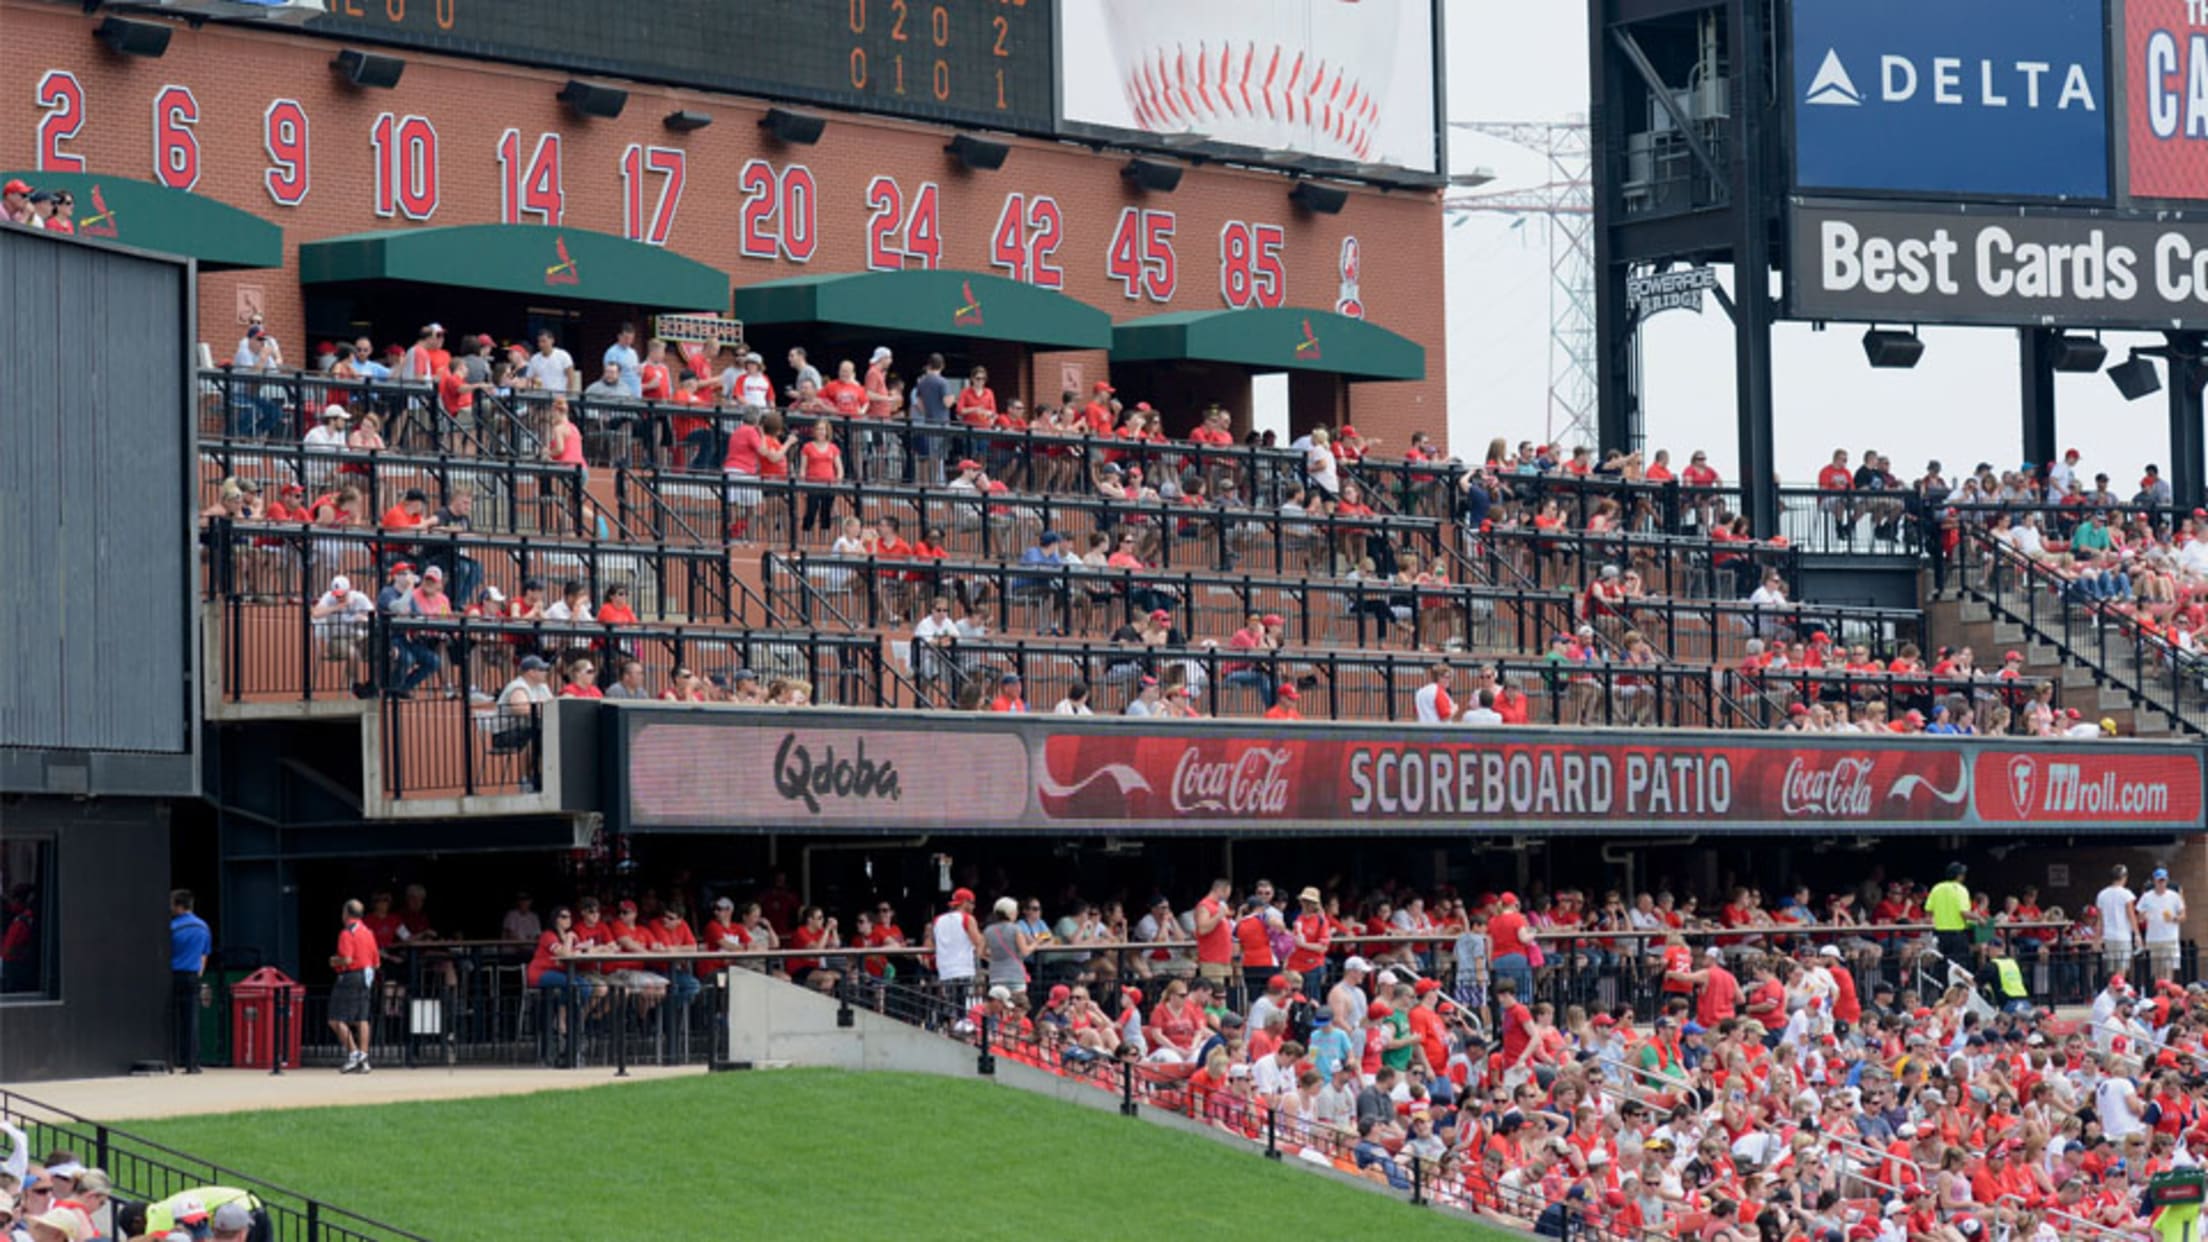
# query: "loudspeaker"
591 100
2135 378
365 69
2082 354
801 129
129 38
1892 350
685 121
1156 175
979 154
1323 199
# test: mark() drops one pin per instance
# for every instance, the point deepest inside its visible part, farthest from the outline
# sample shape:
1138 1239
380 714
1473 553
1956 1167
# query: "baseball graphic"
1312 77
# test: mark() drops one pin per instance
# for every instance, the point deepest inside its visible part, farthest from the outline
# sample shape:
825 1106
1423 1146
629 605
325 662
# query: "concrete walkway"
233 1091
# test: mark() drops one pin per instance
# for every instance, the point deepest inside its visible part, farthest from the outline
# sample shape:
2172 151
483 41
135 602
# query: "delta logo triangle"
1832 86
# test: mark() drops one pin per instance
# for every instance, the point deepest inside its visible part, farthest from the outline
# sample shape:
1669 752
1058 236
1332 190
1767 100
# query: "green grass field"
790 1153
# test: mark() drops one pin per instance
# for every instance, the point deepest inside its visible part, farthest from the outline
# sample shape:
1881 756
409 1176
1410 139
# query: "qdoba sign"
826 772
1917 265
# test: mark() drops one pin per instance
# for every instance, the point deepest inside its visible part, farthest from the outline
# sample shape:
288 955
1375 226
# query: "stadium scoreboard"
970 62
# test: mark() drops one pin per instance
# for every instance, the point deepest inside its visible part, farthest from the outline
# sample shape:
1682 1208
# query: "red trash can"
253 1013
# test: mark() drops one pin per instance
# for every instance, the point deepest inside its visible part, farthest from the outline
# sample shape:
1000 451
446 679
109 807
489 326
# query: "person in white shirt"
1319 465
1482 711
341 617
2103 1017
329 434
1434 704
2162 909
573 604
1076 702
2025 537
2118 907
551 368
521 922
2062 477
2116 1103
1145 702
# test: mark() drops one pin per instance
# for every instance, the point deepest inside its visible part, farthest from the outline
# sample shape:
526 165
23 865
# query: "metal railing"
261 561
794 515
1332 685
1772 694
1678 565
2125 649
143 1170
511 496
1078 599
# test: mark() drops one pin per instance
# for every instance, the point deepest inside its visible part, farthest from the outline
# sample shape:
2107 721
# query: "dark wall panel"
109 911
95 411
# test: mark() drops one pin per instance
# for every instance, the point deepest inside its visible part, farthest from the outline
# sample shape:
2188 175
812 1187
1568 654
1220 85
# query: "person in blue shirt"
622 356
1330 1047
189 944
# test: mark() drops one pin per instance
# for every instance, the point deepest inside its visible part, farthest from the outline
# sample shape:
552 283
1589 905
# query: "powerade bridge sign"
2002 98
1996 266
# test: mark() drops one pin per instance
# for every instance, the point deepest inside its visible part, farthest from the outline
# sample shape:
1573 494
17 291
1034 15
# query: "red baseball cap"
626 907
1271 618
16 186
1348 430
1101 387
1160 614
2016 656
1426 987
1290 693
962 897
1132 996
1143 407
1378 1009
1276 983
969 463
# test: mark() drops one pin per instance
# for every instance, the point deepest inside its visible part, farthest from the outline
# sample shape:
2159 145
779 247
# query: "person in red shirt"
1767 1002
878 930
1510 945
352 1001
1215 935
1253 934
671 934
845 392
1098 413
1313 936
1284 706
455 395
977 406
1720 997
1847 1006
821 463
290 505
722 931
615 610
582 680
382 921
1517 1023
1008 695
411 513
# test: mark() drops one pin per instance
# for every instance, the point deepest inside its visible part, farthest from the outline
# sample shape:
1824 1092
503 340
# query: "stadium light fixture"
801 129
591 99
1163 176
1325 200
128 38
1892 350
978 154
2135 377
369 69
2080 354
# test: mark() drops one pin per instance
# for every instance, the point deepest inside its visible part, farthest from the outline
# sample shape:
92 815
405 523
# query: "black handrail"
143 1169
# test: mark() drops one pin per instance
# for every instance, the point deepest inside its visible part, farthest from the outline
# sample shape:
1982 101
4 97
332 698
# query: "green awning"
154 217
521 258
1286 339
924 303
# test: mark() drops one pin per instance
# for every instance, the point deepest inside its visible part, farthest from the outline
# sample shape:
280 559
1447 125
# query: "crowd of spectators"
1866 1062
57 1197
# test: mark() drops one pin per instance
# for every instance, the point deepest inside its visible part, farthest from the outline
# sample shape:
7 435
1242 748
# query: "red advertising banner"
2165 60
779 771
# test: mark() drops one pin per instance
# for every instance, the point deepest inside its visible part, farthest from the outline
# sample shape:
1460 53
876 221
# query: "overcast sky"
1510 61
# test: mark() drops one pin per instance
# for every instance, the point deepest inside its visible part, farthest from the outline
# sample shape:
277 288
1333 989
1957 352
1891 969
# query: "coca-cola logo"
1842 791
1254 782
800 777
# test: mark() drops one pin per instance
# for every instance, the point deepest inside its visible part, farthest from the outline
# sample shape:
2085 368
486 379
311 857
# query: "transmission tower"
1565 206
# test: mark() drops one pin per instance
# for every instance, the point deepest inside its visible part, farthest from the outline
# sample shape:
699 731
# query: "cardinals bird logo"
102 222
969 315
564 272
1307 349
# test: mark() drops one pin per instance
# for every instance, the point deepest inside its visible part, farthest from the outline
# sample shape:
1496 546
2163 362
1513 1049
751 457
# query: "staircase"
1957 619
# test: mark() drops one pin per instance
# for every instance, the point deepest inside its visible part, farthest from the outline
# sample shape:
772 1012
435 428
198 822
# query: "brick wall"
235 74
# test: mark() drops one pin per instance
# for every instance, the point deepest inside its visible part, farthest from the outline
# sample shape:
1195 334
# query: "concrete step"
2076 675
1969 611
2008 634
2148 722
2114 700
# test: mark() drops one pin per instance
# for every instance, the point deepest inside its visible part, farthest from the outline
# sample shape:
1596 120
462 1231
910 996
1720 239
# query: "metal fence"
507 495
142 1170
2127 647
